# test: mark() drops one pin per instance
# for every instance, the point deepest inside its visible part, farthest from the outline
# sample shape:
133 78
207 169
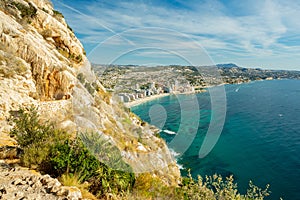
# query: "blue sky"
250 33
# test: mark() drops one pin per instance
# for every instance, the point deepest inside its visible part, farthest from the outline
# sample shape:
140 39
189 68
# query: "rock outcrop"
42 63
21 183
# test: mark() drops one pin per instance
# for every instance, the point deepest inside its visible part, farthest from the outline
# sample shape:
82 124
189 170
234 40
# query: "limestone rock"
9 152
73 193
43 64
21 183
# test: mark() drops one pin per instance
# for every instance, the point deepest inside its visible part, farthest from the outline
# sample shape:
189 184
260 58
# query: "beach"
157 96
145 99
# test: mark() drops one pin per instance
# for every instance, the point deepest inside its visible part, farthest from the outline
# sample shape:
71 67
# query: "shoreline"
157 96
145 99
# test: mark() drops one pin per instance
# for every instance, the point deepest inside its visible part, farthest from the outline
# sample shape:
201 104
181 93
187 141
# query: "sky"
249 33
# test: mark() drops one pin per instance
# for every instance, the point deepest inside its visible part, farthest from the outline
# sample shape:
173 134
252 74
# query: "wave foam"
170 132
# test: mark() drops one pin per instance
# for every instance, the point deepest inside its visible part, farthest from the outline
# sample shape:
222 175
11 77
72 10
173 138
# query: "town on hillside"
132 82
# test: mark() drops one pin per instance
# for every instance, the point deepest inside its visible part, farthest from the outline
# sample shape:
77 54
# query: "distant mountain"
228 65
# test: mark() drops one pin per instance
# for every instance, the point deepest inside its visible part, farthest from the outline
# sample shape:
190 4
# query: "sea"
260 139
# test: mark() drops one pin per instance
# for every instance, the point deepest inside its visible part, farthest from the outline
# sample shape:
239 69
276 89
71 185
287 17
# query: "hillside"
42 63
125 78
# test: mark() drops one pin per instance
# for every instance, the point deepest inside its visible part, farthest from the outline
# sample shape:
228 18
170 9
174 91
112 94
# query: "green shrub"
111 181
29 130
149 187
115 176
157 134
217 187
104 151
254 192
81 78
56 13
35 155
211 188
75 58
52 151
127 120
72 157
78 58
89 88
45 10
35 138
96 86
70 28
74 180
26 11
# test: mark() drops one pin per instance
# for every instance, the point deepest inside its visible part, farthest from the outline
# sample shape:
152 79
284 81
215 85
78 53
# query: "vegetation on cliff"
55 152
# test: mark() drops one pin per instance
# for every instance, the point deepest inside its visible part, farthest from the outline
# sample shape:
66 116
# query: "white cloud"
254 28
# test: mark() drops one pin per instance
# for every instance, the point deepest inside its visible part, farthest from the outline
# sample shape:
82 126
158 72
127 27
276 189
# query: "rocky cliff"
42 63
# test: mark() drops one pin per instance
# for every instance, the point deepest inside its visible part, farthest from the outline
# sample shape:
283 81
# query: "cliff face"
42 63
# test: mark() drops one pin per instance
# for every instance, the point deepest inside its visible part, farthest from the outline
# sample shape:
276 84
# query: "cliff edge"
42 63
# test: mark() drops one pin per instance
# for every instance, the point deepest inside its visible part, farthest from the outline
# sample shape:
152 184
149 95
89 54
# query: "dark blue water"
260 140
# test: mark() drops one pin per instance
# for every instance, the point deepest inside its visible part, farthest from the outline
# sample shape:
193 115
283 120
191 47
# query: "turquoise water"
260 140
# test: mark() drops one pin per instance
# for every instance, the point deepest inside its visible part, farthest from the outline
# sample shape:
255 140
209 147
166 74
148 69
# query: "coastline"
145 99
157 96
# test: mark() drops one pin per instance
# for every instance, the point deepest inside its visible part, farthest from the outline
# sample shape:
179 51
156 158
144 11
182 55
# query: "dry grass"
73 180
106 96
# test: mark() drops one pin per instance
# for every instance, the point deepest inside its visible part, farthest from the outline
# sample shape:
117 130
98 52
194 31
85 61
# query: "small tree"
35 138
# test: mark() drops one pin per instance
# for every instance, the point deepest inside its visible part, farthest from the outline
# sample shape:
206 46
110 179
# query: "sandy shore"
145 99
157 96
